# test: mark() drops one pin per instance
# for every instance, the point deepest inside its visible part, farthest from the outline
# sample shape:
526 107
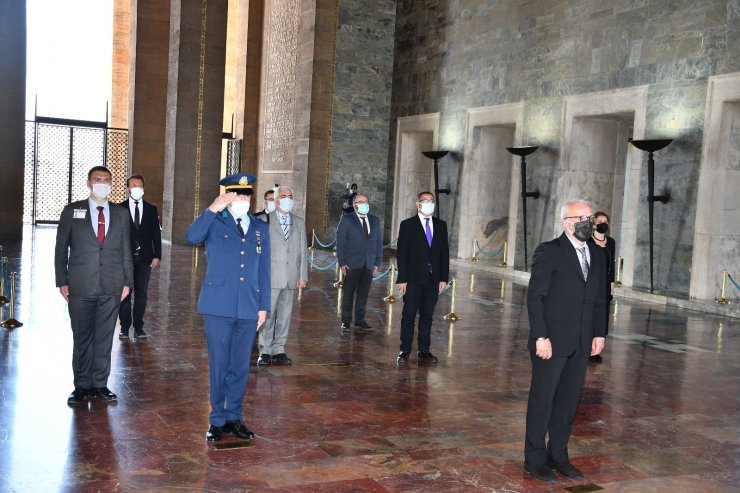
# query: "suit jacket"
288 258
149 236
237 280
354 247
561 305
83 264
415 255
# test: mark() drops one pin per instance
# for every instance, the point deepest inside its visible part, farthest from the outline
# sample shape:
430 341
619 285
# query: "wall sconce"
523 151
435 156
650 146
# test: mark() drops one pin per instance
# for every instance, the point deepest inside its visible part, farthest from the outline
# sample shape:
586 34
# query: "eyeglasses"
426 201
581 218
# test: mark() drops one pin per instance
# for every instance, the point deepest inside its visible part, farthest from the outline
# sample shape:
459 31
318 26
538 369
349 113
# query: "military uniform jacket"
237 280
87 267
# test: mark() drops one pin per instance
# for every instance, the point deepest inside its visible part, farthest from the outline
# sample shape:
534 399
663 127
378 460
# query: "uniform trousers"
229 342
354 291
142 273
93 320
420 298
553 400
274 335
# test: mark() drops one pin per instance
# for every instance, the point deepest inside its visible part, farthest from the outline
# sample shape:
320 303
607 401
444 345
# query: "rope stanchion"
11 322
474 256
506 255
722 300
340 281
313 239
452 316
323 245
391 298
390 244
618 280
486 254
732 279
325 267
381 276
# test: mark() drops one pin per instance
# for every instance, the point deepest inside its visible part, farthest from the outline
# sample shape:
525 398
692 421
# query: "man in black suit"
567 324
270 206
359 253
423 271
146 248
93 267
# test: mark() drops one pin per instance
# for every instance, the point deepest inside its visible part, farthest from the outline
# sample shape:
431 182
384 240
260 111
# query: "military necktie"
239 226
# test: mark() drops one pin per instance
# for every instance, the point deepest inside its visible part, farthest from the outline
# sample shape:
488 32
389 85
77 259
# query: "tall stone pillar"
147 93
12 116
195 99
122 22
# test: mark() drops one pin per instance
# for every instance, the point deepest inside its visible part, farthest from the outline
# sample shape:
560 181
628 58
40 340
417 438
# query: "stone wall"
453 55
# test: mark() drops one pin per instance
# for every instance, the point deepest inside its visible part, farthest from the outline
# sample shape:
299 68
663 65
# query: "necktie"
428 231
584 262
101 225
239 226
137 218
286 226
364 226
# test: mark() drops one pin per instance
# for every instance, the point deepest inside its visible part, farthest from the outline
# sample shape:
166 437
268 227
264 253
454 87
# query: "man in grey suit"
288 271
94 272
359 253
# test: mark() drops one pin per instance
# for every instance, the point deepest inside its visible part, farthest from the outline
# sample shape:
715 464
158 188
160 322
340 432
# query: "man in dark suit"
359 253
423 271
146 248
567 324
234 298
270 206
92 262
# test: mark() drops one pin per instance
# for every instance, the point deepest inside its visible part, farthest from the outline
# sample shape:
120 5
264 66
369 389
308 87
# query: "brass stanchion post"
12 323
300 294
722 300
391 298
506 254
618 280
340 281
472 283
313 239
452 316
474 256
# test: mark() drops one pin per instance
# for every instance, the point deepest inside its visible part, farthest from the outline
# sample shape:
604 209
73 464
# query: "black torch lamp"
436 156
523 151
651 146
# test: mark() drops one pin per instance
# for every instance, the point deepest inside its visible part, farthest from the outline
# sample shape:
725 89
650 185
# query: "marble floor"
661 413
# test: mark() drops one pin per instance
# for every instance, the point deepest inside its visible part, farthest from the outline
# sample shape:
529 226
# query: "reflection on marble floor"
662 413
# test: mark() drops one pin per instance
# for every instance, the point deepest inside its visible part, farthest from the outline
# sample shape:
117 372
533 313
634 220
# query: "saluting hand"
222 201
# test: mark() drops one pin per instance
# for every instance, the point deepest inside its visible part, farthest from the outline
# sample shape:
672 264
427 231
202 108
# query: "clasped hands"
543 347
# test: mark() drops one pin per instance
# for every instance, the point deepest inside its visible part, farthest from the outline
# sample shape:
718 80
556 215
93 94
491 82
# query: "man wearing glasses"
567 324
423 271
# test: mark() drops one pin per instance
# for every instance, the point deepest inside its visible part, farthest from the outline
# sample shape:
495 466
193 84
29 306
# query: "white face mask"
239 208
427 209
101 190
286 204
136 193
270 206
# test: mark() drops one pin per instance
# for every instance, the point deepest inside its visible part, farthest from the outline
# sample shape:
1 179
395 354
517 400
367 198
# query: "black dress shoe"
344 326
566 469
123 334
426 357
238 429
281 359
363 325
403 357
543 473
104 394
214 433
140 334
264 359
595 359
77 396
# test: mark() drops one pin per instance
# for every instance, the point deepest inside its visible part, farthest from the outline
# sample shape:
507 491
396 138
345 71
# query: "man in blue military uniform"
234 299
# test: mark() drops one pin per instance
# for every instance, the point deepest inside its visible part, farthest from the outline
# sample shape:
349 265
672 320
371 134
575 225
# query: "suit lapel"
594 255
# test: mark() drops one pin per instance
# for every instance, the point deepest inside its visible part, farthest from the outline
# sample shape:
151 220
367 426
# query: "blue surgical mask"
427 208
363 208
270 206
286 204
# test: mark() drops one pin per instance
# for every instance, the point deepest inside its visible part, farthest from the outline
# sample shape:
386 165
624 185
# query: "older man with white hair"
288 271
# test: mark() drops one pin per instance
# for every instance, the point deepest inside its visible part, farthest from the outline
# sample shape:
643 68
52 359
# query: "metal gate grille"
59 153
233 156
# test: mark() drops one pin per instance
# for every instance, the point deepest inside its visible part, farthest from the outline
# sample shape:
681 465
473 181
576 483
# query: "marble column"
147 94
12 116
122 23
194 115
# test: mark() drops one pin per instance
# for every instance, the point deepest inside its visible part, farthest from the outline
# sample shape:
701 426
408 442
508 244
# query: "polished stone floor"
661 413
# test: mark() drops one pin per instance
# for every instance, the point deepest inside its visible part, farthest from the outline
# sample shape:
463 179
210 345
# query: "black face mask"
583 231
602 228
